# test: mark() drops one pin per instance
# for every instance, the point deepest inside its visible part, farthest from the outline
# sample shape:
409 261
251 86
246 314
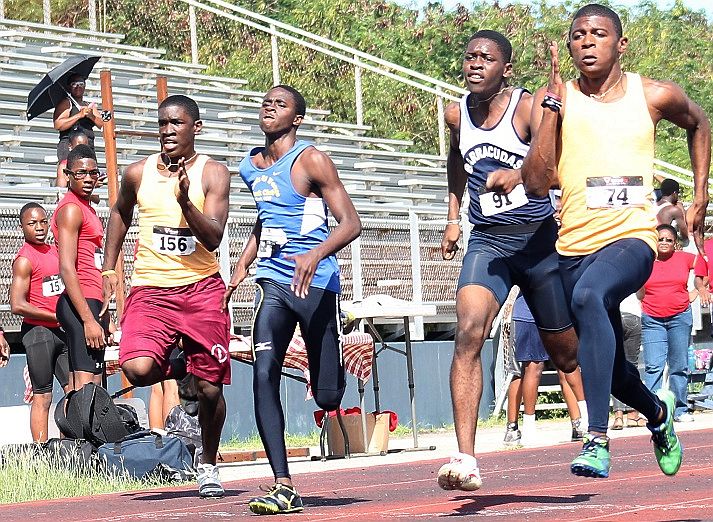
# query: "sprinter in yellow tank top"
594 136
176 292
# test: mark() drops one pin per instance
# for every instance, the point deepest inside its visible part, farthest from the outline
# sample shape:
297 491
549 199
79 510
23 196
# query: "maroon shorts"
155 319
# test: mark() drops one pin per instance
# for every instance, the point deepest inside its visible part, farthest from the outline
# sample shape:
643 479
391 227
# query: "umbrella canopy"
52 88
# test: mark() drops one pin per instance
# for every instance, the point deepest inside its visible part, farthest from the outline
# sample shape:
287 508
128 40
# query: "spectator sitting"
666 319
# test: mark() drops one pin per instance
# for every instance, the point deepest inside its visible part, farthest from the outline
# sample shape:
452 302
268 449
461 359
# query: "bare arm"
701 284
503 181
20 291
457 177
118 224
246 259
4 349
62 119
207 226
668 101
319 169
539 170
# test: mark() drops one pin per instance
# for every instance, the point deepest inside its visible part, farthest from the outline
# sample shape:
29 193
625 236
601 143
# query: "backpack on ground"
148 454
70 454
90 413
186 427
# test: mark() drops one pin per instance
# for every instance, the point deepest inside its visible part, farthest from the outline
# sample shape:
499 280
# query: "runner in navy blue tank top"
511 242
294 185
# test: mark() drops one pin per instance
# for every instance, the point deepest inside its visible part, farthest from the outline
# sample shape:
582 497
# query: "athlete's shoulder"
215 166
312 156
452 115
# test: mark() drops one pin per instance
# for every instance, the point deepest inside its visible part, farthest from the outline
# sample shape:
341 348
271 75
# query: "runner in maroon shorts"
176 292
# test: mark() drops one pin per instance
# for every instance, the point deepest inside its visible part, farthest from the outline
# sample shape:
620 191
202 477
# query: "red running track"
518 485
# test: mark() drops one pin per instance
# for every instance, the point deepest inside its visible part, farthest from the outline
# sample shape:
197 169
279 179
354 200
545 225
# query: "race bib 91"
492 203
52 285
174 241
98 258
616 192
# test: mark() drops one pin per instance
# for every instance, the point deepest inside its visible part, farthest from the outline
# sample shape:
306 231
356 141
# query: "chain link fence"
384 253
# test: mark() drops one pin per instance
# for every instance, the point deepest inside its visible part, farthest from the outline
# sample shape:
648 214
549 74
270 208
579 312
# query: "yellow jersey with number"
606 171
168 254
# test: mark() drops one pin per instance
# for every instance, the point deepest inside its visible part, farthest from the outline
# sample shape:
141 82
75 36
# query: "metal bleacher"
388 184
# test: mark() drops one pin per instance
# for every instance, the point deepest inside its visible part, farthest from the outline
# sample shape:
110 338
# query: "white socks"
584 415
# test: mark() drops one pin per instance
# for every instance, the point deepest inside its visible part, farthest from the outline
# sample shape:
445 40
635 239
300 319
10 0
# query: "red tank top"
90 256
45 283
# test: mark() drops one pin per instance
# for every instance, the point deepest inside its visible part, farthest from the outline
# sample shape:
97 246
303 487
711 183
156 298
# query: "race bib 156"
174 241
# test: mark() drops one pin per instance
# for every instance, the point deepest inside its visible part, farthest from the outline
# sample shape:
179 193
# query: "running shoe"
209 485
684 417
512 435
577 431
667 448
460 473
281 498
593 461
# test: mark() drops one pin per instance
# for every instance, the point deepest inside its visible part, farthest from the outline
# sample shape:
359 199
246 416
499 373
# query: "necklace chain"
491 97
602 95
162 165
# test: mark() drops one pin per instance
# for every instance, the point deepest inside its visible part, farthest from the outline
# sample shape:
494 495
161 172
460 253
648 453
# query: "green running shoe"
280 499
593 461
667 448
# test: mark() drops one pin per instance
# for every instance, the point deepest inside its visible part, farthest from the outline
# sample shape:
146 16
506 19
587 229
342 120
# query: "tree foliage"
673 44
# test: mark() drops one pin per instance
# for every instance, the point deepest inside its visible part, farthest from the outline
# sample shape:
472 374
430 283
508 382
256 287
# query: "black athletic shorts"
81 358
46 350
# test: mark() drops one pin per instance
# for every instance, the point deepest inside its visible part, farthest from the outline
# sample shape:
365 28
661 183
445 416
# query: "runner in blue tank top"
512 240
293 185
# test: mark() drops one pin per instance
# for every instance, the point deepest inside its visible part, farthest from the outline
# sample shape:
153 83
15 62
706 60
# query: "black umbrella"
53 87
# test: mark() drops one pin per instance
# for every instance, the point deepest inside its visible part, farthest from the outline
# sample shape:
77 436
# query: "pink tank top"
90 255
45 283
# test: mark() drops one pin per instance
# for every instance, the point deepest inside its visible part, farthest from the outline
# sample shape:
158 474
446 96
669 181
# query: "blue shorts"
528 344
526 258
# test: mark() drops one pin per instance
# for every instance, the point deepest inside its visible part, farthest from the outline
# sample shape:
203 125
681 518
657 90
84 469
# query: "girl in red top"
35 289
666 319
78 233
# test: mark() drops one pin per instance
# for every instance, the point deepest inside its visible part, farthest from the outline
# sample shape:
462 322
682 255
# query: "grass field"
26 475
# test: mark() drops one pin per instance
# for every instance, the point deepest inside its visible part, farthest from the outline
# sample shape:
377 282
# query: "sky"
706 5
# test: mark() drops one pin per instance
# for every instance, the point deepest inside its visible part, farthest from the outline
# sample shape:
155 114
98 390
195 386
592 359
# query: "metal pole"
275 57
411 386
47 12
2 9
112 169
161 89
92 15
441 126
194 33
358 93
417 291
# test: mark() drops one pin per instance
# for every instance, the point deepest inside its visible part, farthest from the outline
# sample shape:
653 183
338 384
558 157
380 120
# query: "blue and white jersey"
487 150
291 223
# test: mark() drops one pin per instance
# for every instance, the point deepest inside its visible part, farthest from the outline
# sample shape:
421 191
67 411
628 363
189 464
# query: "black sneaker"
577 432
280 499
